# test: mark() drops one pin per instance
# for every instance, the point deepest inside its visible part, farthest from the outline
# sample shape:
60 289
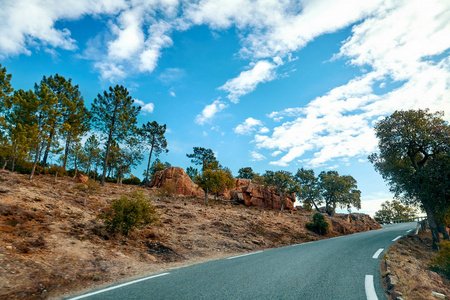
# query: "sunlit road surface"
339 268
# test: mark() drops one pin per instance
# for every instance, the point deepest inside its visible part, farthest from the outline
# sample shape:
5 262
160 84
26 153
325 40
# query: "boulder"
80 178
176 177
252 194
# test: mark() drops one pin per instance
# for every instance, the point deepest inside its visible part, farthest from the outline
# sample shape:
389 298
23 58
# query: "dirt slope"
405 270
53 245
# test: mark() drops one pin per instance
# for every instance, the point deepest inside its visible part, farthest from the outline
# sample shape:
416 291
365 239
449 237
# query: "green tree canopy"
192 173
214 181
308 189
339 191
246 173
70 116
153 136
114 115
204 157
394 210
5 93
92 151
411 145
283 181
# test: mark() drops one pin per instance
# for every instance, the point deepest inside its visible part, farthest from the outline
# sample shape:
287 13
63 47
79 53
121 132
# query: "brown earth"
52 245
405 270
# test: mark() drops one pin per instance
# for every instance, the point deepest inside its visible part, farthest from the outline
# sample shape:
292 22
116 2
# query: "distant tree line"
329 188
48 130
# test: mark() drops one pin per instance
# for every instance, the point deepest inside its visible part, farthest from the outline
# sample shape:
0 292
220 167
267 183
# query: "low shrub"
167 190
56 170
132 180
71 172
441 262
25 167
128 213
318 225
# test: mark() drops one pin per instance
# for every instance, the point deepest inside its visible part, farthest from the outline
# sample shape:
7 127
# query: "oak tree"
411 144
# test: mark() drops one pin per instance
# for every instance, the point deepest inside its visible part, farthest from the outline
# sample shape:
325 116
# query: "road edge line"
117 286
247 254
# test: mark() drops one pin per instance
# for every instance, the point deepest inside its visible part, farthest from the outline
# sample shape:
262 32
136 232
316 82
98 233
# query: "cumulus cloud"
139 102
149 107
26 24
247 81
250 125
210 111
400 43
145 107
257 156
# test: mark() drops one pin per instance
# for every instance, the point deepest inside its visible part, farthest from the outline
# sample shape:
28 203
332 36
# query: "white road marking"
370 288
396 238
233 257
118 286
378 253
409 231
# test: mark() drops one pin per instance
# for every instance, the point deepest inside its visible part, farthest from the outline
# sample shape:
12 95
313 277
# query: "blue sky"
275 85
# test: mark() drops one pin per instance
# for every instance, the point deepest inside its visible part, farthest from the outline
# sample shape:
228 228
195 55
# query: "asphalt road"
339 268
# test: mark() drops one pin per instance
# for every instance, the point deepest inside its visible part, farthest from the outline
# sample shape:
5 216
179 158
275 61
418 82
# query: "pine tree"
5 93
71 116
92 152
114 115
153 135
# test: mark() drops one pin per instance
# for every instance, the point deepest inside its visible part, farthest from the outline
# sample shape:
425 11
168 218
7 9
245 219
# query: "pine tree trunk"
47 150
66 152
105 162
4 165
148 167
206 196
35 162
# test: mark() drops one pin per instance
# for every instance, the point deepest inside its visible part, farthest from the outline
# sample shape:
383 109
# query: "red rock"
80 178
177 177
252 194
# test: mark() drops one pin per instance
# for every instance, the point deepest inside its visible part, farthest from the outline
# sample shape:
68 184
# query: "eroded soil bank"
53 245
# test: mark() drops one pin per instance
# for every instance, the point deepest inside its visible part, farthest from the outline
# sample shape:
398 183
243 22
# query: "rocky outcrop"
351 223
252 194
176 177
80 178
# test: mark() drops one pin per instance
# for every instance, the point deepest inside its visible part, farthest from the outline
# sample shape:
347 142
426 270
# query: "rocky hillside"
53 244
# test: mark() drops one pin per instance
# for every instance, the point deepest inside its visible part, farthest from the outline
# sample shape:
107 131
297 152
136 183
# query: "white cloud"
276 153
110 72
170 75
139 102
149 107
210 111
172 93
257 156
250 125
26 24
339 124
247 81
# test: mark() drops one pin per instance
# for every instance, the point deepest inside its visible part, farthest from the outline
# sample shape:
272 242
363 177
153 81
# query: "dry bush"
127 213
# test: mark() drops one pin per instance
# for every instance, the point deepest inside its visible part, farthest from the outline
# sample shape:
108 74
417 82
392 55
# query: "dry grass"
52 244
405 269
